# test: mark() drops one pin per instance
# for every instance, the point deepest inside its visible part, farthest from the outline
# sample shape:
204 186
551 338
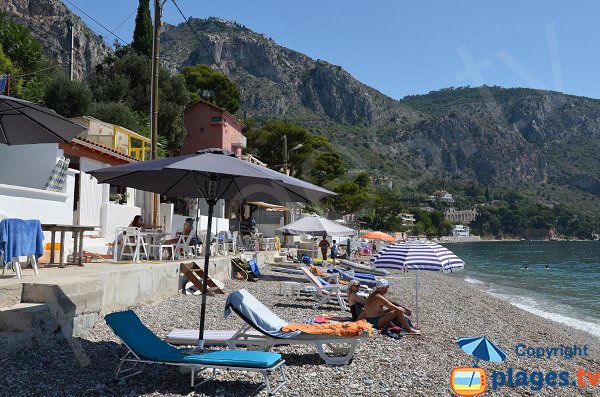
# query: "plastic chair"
133 243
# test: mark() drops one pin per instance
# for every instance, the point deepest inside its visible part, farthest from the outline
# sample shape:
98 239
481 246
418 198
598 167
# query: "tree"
68 98
212 86
115 113
326 167
19 45
125 77
142 35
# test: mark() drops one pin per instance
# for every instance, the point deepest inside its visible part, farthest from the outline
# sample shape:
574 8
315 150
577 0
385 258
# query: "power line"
104 27
197 37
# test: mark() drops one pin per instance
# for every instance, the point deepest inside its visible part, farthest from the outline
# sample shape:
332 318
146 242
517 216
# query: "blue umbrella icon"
482 349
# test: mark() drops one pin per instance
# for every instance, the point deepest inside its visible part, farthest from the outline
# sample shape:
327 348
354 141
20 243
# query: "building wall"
203 133
28 165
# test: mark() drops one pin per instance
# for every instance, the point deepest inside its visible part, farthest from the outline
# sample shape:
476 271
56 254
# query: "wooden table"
77 231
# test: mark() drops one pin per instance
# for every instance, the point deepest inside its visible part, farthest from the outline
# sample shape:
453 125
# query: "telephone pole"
71 49
154 99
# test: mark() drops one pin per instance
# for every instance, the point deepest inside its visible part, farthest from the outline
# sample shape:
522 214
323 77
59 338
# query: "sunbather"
356 302
380 312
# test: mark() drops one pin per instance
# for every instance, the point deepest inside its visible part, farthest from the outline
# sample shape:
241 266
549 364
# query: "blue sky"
412 47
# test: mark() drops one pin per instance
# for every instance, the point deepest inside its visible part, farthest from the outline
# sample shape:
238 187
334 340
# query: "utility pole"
154 99
71 49
285 154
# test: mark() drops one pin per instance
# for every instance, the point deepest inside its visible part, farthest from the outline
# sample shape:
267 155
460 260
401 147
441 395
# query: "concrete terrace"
65 302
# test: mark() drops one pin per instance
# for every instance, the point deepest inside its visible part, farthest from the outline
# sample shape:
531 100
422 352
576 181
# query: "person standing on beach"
324 245
380 312
333 251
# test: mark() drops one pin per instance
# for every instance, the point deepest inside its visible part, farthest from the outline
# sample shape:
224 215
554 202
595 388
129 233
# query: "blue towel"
254 267
20 237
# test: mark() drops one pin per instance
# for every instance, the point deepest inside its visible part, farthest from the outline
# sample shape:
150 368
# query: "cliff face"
48 20
272 79
498 137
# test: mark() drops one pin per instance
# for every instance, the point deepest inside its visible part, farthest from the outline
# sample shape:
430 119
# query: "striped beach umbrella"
418 255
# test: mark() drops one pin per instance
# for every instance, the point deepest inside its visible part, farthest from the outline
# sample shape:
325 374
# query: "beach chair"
263 331
144 347
326 293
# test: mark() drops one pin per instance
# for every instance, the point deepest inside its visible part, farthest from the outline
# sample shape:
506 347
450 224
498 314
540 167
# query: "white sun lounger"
263 331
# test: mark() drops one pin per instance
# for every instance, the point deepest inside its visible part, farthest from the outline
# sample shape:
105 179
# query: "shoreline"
413 365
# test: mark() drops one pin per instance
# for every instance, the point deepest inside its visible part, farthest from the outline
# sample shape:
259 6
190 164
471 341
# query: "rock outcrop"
49 20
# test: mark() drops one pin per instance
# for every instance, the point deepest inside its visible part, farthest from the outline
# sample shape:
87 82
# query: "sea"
558 280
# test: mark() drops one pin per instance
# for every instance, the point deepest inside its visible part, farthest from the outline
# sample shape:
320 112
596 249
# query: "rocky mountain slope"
539 142
48 19
499 137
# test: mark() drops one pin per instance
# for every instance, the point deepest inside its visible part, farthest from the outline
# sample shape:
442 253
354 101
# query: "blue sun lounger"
144 347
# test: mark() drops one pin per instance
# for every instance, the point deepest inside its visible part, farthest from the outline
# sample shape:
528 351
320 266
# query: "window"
216 119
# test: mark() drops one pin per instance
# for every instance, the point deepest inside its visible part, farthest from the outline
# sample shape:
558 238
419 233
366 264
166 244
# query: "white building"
78 199
461 231
407 219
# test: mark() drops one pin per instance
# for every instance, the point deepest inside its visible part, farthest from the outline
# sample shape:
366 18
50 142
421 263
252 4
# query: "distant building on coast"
461 231
407 219
463 216
442 196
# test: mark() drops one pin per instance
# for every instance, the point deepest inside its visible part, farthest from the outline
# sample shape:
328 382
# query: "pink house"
209 126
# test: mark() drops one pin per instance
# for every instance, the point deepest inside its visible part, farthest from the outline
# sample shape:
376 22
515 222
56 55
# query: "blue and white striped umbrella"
482 348
418 255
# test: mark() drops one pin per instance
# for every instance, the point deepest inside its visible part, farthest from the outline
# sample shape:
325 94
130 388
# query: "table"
77 231
154 241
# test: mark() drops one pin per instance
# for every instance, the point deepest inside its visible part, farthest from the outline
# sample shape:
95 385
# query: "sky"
410 47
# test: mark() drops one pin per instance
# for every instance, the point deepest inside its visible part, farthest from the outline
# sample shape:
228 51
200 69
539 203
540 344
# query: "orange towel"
355 328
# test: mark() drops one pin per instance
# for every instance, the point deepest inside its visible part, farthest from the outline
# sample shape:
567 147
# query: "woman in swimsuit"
356 303
379 311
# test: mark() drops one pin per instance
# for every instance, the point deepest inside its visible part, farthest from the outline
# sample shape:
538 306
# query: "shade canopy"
379 236
23 122
316 226
212 174
418 255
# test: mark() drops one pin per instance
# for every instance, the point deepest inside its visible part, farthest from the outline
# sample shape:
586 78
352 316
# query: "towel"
20 237
349 329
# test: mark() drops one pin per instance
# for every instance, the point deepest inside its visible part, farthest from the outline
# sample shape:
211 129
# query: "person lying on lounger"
380 312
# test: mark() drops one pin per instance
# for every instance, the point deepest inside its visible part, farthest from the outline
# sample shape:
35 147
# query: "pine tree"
142 35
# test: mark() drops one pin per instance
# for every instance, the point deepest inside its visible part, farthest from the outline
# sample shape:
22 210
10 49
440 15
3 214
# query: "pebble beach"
410 366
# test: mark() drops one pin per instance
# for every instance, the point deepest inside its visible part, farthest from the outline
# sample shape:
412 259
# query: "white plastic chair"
133 243
183 250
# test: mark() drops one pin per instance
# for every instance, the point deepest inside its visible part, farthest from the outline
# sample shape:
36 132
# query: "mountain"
48 20
518 138
540 143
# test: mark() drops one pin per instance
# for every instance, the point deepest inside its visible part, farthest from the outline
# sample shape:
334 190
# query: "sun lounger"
263 330
328 292
144 347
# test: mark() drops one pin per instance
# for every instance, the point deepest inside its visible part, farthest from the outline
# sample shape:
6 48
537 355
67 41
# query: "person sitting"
187 230
356 302
380 312
138 221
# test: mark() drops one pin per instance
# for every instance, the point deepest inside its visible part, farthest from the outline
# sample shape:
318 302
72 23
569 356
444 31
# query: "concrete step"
10 294
27 317
75 302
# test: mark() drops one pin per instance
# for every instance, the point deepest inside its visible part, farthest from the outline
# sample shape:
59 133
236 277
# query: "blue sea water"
567 292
